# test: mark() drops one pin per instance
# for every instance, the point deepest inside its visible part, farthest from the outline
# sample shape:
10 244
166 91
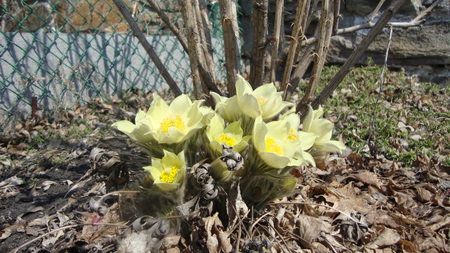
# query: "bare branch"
311 13
337 8
356 54
369 24
206 75
297 34
302 66
276 38
326 29
148 48
205 35
259 22
425 12
231 39
375 12
169 24
193 44
415 22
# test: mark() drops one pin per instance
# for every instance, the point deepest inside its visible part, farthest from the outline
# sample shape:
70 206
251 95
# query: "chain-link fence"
67 52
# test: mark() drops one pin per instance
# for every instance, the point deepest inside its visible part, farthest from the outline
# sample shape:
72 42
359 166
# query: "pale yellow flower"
168 173
264 101
323 130
305 140
272 142
227 108
231 135
164 123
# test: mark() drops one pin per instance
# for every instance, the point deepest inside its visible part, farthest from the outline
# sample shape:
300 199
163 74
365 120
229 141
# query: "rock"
422 50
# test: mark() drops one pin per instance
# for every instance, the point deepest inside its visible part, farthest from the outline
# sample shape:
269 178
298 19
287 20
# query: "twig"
337 8
204 28
356 54
326 29
63 228
206 75
148 48
376 10
231 39
300 70
369 24
259 25
276 38
169 24
297 34
314 204
372 147
426 11
311 13
194 53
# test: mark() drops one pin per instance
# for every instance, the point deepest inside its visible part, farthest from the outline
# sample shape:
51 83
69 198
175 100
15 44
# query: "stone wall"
423 50
82 16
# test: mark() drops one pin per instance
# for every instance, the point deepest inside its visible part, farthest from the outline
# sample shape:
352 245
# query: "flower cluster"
256 128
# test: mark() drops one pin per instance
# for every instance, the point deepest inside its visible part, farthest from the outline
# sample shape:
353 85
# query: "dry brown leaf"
367 177
443 223
236 207
423 194
407 246
6 232
387 238
433 244
309 229
46 184
171 242
355 160
216 238
381 217
48 242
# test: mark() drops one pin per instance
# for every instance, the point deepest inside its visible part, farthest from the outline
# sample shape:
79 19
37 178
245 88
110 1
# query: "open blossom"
305 139
323 130
228 108
272 142
264 101
164 123
168 173
231 135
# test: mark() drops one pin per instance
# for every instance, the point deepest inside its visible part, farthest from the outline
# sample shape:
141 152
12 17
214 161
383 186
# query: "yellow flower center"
169 177
172 121
261 99
293 135
272 146
227 139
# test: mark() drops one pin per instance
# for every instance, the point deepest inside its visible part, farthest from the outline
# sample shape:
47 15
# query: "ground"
389 192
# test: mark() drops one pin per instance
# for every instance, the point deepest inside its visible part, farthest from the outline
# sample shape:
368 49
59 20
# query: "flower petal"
330 146
124 126
274 160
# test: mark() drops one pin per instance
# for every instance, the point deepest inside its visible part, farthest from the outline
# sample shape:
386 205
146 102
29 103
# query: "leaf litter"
68 194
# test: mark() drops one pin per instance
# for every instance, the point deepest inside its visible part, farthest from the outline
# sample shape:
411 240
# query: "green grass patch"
406 118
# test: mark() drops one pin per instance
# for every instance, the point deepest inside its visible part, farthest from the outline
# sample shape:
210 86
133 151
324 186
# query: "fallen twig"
63 228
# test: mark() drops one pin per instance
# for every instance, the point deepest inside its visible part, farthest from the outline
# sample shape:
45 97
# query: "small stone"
352 118
416 137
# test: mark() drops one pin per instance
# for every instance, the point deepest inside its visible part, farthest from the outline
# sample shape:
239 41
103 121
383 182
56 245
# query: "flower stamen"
172 121
169 177
261 100
293 135
226 139
272 146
